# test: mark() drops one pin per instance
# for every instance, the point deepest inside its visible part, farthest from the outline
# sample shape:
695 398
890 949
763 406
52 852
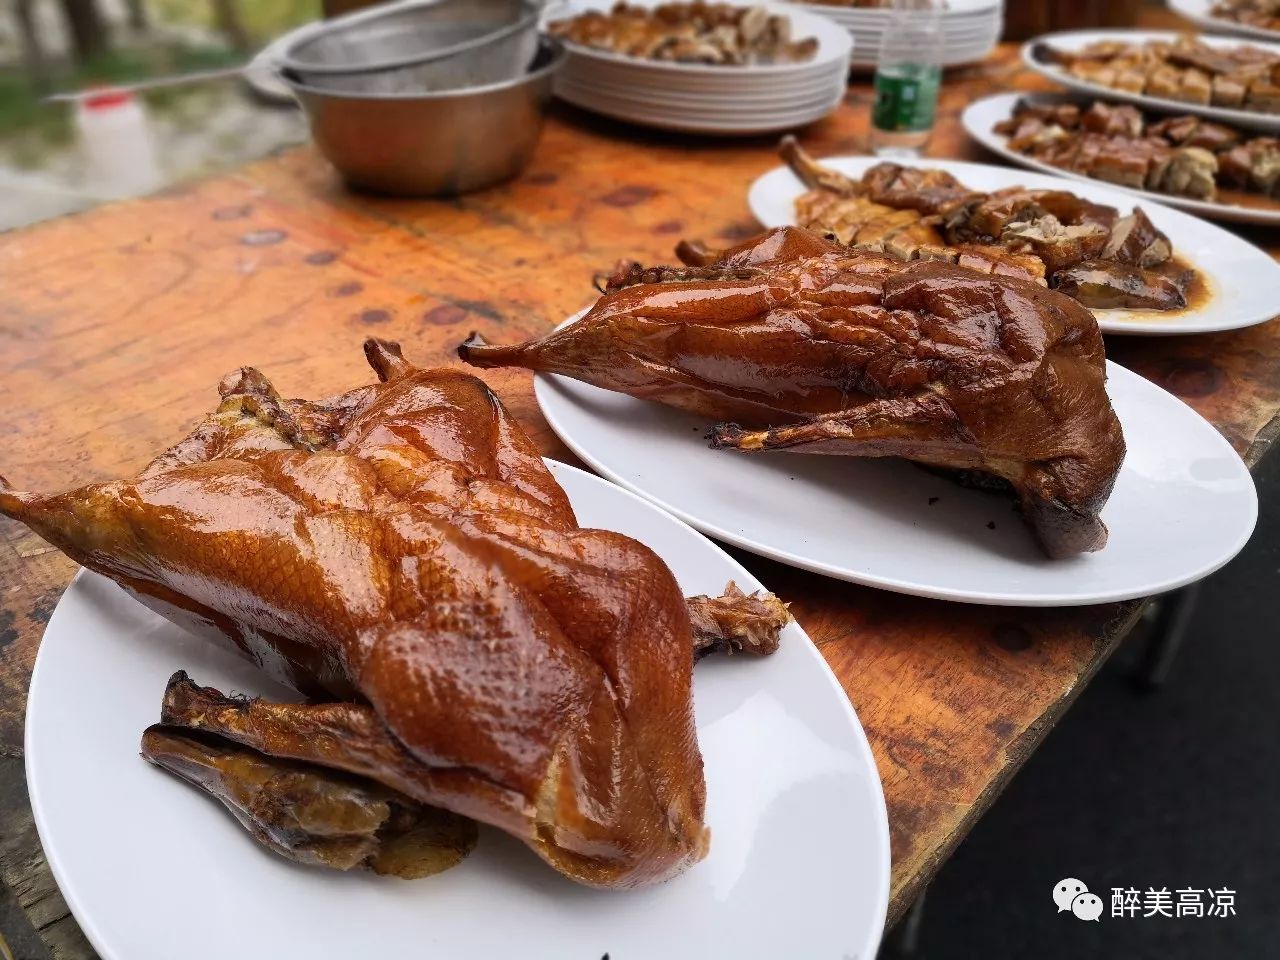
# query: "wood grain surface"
115 326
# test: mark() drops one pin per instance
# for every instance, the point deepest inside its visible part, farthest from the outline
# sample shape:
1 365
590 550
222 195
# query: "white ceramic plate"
1078 39
981 116
1242 279
153 870
713 124
675 98
1183 505
752 116
1198 11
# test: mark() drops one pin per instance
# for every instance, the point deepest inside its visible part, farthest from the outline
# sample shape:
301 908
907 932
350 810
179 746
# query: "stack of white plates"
970 29
709 99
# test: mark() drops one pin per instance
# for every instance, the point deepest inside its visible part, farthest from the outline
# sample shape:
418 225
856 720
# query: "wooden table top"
116 325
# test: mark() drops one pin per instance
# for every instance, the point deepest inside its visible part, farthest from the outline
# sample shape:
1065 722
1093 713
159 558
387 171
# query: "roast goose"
809 347
402 555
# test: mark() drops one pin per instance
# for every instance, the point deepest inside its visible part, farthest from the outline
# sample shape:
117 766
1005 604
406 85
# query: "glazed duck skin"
403 549
818 349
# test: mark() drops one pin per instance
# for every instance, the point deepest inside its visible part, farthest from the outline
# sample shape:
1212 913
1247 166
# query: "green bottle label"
906 102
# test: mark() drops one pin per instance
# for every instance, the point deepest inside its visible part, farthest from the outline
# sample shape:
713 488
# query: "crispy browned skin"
923 360
404 544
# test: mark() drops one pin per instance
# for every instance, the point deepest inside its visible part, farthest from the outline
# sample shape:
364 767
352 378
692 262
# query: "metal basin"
435 143
411 47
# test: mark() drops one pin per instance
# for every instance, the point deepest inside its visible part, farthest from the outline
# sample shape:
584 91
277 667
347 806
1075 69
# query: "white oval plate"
1078 39
1183 505
152 870
1198 11
1241 277
981 116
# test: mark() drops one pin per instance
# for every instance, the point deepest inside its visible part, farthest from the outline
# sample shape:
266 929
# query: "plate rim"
546 382
88 921
998 145
1113 325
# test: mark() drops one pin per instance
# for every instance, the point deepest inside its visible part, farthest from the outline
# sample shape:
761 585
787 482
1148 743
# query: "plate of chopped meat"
1223 78
1142 269
1190 162
721 68
1252 18
916 427
522 733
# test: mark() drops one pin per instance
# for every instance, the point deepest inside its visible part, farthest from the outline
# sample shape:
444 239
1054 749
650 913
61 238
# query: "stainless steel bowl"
411 47
434 143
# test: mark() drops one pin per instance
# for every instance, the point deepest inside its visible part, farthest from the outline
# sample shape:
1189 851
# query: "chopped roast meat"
1109 284
1254 165
1186 69
1057 245
1032 234
1184 156
840 353
1112 121
1135 240
698 32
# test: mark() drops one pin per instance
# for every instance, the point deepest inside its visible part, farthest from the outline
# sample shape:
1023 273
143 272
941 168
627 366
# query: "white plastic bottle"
908 74
120 155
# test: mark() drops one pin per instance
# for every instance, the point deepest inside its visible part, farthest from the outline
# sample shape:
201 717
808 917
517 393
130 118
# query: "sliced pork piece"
1057 245
1000 262
1112 120
1228 92
1108 284
1125 162
1137 241
1196 87
927 191
1254 165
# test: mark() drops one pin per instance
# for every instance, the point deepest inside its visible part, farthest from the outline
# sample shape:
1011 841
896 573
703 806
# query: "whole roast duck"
401 554
811 347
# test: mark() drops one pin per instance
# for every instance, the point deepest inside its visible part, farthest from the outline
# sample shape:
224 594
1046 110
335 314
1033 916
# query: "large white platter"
1198 11
1242 279
1078 39
153 870
981 116
1184 503
701 98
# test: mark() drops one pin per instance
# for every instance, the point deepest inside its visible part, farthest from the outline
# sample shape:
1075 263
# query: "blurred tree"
227 18
137 14
32 52
88 29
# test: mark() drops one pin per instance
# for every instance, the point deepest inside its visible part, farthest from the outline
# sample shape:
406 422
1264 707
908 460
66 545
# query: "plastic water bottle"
908 74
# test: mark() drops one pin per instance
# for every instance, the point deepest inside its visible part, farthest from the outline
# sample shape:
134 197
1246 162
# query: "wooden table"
117 324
